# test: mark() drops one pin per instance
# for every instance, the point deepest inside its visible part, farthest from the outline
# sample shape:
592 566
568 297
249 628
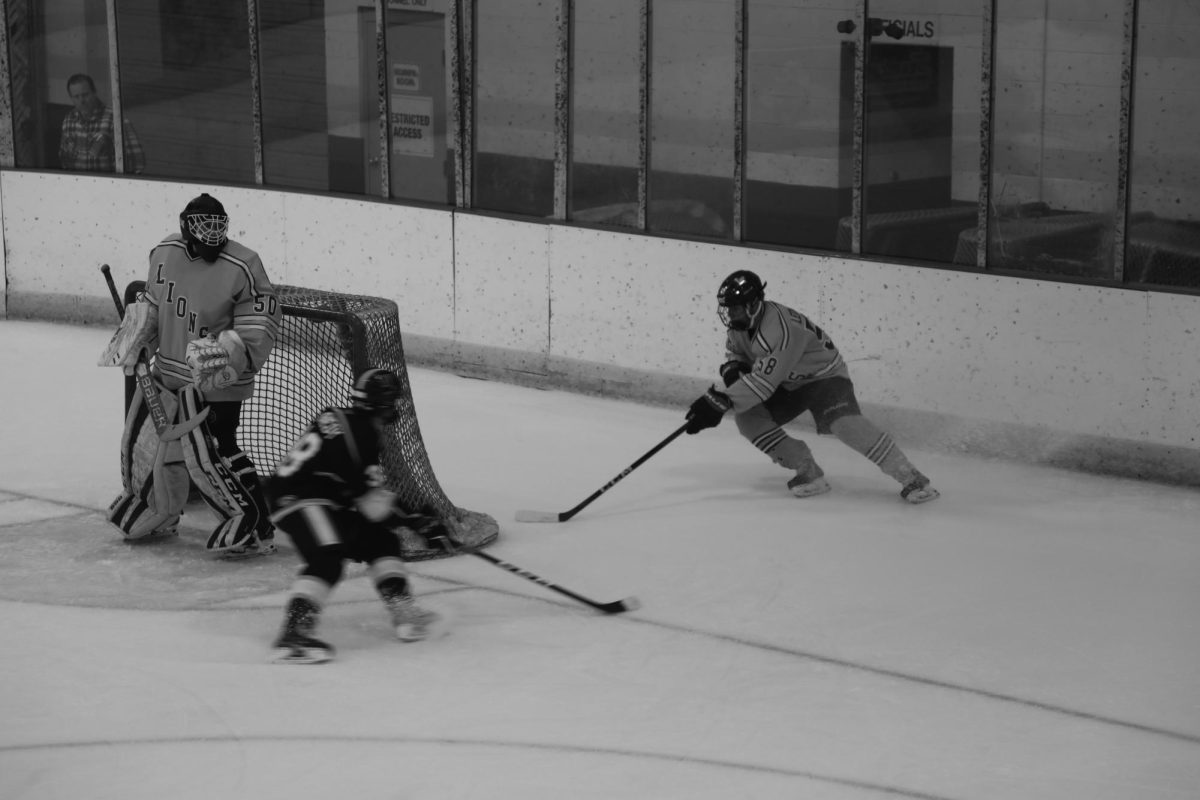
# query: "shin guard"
220 485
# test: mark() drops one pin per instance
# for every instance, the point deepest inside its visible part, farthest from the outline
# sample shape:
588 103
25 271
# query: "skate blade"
242 553
923 496
407 632
300 655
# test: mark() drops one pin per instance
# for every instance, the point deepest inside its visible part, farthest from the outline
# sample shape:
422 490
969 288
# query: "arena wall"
1077 376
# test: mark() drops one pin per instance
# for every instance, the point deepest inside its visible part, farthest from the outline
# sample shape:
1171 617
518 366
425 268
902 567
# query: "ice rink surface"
1032 635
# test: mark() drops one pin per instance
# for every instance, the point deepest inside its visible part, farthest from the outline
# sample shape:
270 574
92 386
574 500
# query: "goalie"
202 330
328 496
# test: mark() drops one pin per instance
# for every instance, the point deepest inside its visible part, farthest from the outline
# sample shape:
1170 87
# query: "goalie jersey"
192 298
786 351
333 463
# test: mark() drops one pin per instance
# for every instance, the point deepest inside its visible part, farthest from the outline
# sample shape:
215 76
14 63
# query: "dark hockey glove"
733 370
707 410
430 527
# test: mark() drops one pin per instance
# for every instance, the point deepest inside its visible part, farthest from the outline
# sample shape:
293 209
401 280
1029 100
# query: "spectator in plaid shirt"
87 133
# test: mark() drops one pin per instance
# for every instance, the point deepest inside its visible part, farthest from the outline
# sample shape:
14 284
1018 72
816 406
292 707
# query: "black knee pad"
327 564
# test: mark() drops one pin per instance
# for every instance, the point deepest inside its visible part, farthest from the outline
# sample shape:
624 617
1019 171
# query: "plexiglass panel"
1163 234
922 130
56 126
605 107
516 50
312 96
693 49
185 84
798 122
1056 128
420 154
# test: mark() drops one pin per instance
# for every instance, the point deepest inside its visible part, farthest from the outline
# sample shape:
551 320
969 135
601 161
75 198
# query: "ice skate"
295 643
293 647
252 549
413 623
919 491
802 486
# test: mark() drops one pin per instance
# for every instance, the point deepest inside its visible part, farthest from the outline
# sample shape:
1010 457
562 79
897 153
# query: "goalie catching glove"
216 361
706 411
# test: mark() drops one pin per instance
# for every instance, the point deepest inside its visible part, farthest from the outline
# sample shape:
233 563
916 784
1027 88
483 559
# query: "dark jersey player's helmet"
205 227
377 391
740 300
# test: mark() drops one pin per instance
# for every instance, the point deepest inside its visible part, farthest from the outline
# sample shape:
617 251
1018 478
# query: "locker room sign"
412 125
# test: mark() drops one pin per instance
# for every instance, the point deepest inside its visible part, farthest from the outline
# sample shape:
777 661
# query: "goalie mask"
205 227
378 391
740 300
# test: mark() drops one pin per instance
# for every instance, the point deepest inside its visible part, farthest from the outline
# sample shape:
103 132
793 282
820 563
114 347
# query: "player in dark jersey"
328 496
779 364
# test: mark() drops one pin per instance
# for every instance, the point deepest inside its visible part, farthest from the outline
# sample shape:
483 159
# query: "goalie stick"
167 431
615 607
525 515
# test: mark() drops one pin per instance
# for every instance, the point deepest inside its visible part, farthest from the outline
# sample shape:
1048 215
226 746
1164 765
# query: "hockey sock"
390 576
860 434
789 453
313 590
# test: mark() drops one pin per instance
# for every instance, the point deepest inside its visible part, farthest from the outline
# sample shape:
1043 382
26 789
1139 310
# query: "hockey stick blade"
621 606
525 515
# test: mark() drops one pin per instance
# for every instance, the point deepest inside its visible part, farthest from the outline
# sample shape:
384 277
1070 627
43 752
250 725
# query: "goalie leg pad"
220 485
153 479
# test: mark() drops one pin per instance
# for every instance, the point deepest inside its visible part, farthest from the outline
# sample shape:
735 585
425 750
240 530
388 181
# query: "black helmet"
205 227
739 300
377 391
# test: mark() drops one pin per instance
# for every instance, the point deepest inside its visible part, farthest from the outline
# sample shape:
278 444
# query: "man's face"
84 97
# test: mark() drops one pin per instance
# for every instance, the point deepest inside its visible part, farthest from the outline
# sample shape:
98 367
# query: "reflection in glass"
1163 235
691 118
48 43
422 163
185 84
921 150
1056 125
516 47
604 115
797 123
297 73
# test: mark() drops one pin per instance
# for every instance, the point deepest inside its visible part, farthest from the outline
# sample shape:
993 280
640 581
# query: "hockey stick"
615 607
167 431
525 515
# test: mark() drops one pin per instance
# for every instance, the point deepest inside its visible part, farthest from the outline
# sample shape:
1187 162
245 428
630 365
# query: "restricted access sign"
412 125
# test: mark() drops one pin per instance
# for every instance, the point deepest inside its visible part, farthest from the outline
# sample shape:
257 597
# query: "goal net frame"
325 340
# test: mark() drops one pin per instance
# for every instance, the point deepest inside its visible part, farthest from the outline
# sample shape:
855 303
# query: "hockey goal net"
325 340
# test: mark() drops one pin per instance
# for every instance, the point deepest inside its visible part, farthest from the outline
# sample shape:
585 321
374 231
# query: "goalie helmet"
377 391
740 300
205 227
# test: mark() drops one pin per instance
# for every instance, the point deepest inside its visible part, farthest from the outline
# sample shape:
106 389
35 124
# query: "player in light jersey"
779 364
217 318
329 498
